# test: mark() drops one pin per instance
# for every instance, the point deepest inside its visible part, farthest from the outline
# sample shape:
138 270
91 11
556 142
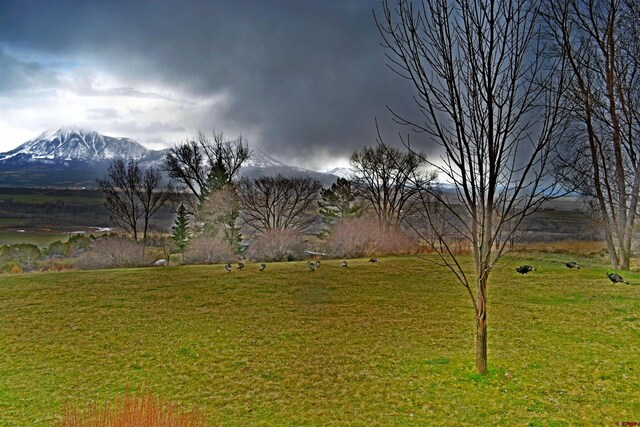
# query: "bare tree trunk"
481 327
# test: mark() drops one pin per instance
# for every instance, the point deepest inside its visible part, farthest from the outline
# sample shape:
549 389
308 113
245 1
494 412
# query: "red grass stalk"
141 410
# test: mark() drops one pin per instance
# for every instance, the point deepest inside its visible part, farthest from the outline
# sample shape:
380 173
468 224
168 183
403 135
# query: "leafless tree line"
599 41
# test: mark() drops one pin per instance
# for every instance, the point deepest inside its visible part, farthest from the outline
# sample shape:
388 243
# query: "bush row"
350 238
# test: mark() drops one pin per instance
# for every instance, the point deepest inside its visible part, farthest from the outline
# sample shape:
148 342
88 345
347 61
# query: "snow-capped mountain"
345 173
260 163
260 159
72 157
78 145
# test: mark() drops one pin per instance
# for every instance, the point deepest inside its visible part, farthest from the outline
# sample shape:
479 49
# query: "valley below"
44 215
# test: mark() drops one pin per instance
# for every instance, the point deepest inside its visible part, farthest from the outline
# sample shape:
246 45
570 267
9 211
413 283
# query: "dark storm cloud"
307 74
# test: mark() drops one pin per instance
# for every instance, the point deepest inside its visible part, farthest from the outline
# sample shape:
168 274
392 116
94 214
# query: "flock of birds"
523 269
614 277
311 265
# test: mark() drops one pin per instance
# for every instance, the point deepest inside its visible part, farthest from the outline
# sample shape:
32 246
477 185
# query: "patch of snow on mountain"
260 159
345 173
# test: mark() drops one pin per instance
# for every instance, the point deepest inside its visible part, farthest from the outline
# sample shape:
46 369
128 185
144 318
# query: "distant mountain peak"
64 130
77 144
260 159
54 156
346 173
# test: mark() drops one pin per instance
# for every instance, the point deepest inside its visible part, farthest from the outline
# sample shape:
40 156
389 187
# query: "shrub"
52 265
353 238
9 266
26 254
277 245
113 252
78 243
5 253
133 411
207 250
57 249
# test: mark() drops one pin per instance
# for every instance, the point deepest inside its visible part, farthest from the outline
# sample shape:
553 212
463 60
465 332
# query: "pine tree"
338 202
180 231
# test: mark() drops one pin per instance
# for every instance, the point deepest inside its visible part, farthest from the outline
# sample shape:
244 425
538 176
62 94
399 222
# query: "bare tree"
152 197
270 203
120 187
472 64
389 180
133 196
203 165
600 42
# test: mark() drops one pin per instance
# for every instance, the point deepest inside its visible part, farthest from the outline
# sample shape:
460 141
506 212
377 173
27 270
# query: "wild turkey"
240 265
616 278
572 264
374 260
262 267
228 267
318 263
524 269
344 263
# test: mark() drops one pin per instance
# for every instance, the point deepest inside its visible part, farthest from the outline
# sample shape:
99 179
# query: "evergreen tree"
338 202
217 178
180 231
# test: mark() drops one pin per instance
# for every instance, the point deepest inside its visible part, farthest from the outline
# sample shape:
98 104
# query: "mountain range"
73 157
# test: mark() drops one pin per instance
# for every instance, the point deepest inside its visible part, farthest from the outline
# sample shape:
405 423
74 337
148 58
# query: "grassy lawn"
382 344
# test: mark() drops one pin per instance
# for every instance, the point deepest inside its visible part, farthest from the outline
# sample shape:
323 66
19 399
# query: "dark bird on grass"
616 278
312 266
572 264
344 263
227 267
374 260
240 265
262 267
524 269
318 263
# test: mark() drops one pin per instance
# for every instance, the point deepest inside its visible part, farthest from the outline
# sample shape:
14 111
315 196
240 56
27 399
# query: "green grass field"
382 344
36 238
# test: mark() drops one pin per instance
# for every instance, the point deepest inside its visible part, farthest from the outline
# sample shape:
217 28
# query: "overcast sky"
301 80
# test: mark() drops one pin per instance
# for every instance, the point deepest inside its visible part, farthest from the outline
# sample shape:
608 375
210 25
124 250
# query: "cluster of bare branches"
203 165
389 181
600 43
269 203
134 196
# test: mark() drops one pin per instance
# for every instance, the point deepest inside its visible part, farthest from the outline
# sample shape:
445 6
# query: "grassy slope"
368 345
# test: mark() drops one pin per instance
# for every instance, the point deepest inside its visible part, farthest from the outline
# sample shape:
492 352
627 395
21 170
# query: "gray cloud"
308 76
16 75
133 129
101 114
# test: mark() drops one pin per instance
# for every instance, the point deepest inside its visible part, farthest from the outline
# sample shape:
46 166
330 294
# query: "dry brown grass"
457 247
359 237
133 410
579 247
